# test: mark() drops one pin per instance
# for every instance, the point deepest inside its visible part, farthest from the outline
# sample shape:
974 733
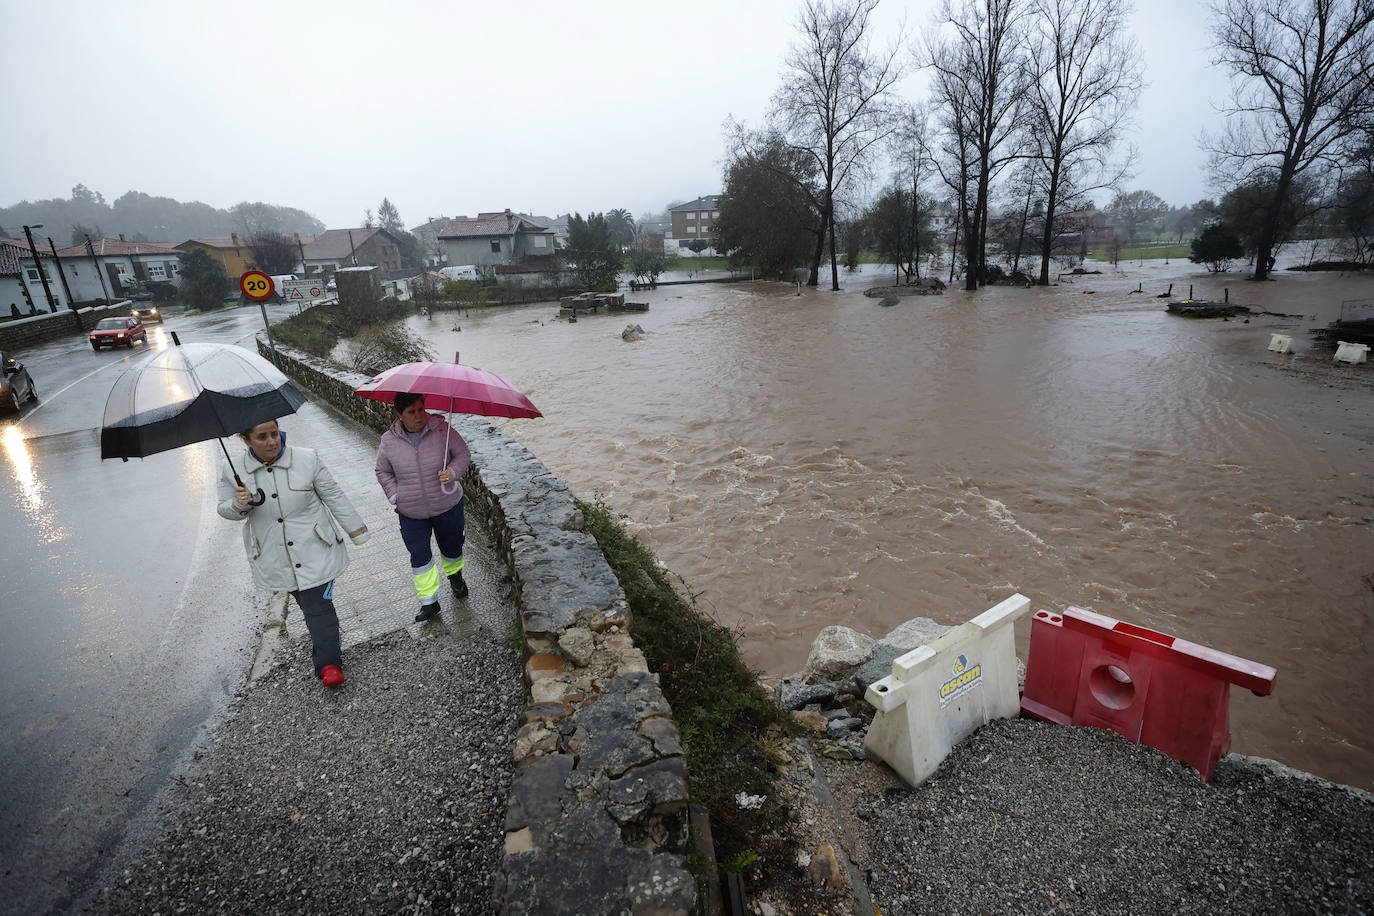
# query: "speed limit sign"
256 285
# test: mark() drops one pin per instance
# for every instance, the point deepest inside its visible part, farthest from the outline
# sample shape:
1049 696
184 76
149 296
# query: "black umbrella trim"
211 414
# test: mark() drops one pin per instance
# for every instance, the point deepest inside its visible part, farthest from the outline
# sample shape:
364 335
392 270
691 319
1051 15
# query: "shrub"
1216 247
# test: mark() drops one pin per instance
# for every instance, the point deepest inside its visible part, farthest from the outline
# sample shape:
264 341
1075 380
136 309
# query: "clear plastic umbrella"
190 393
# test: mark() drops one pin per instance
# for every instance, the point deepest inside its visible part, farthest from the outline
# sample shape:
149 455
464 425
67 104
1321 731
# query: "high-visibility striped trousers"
445 529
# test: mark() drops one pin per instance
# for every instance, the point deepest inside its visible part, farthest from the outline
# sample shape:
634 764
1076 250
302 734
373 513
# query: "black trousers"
317 606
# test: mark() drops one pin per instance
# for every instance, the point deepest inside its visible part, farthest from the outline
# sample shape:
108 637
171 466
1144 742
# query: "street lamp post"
42 275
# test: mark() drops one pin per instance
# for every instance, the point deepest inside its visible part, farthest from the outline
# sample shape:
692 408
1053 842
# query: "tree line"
1027 107
145 218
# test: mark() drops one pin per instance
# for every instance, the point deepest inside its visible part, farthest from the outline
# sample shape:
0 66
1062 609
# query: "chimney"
234 236
509 220
121 236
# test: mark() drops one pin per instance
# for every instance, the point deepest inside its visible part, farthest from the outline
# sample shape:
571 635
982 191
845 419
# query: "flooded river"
805 460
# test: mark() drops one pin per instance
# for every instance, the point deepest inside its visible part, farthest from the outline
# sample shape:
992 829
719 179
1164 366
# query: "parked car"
16 385
118 332
147 313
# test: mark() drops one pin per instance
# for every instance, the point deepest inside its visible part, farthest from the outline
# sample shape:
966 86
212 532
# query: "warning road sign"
301 290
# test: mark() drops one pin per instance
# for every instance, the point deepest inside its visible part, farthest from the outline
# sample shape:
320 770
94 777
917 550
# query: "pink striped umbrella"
453 388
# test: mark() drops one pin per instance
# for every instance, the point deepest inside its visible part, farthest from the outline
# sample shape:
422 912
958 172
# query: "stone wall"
597 818
36 329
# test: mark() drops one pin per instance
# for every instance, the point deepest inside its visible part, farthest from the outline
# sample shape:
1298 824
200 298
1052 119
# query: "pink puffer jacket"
409 474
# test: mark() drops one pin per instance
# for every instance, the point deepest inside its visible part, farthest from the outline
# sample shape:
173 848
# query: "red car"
118 332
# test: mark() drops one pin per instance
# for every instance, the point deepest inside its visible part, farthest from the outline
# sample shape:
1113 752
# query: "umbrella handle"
261 497
451 487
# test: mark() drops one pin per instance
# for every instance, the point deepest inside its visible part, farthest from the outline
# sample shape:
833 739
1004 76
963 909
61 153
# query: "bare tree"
273 252
1085 76
913 169
1303 79
832 104
980 81
255 217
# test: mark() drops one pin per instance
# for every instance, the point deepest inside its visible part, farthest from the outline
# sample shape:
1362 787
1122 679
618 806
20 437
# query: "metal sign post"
258 286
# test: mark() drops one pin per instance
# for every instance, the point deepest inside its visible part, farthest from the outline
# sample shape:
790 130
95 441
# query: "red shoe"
331 676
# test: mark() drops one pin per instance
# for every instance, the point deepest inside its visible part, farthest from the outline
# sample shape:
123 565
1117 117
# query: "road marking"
49 397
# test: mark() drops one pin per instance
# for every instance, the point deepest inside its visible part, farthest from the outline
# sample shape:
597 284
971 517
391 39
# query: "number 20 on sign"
256 285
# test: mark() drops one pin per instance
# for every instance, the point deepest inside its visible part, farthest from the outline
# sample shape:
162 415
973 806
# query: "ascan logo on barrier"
965 677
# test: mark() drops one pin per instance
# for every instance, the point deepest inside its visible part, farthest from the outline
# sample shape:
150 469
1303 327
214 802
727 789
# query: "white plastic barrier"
1281 343
940 692
1354 353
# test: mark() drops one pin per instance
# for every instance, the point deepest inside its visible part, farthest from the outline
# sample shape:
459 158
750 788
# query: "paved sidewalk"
376 596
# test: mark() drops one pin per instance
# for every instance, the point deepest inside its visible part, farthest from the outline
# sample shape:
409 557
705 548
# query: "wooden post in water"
1226 293
1190 290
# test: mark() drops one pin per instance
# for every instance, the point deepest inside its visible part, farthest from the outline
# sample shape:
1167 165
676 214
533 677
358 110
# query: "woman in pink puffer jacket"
420 476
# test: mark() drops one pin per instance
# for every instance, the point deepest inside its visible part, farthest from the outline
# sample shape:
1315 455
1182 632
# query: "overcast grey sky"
454 107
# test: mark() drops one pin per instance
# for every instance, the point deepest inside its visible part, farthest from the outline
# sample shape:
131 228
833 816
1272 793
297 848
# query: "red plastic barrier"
1174 695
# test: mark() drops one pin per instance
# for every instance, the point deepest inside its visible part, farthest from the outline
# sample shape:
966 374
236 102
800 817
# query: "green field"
1174 251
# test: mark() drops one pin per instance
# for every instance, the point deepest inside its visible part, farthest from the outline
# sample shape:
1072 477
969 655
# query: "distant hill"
142 217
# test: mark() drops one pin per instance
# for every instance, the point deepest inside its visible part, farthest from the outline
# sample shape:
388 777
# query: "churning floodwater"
810 459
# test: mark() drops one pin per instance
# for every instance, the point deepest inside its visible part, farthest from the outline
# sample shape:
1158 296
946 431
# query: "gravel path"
1026 817
386 795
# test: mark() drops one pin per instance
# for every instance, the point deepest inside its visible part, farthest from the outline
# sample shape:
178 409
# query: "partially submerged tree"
770 216
1355 203
647 260
832 105
896 223
913 169
1246 211
1216 247
979 82
1085 76
591 255
1303 80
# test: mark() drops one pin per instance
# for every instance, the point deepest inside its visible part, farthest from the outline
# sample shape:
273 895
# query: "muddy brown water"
806 460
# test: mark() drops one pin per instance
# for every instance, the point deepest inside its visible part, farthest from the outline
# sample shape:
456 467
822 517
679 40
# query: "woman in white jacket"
291 538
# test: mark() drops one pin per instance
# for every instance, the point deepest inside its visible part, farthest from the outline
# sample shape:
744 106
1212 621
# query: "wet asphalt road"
123 630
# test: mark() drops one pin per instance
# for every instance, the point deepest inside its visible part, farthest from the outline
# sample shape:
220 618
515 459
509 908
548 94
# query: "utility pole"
90 249
28 234
71 301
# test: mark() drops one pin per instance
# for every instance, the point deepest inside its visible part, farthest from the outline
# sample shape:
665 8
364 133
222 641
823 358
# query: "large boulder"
915 632
836 653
